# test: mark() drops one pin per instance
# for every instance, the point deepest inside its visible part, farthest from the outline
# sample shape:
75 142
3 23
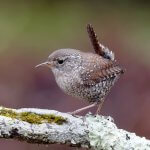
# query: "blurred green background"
31 30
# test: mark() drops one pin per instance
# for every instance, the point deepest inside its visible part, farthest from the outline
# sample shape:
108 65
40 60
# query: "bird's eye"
60 61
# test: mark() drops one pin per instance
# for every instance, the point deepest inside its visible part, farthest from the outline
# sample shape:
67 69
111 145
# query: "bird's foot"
82 109
99 107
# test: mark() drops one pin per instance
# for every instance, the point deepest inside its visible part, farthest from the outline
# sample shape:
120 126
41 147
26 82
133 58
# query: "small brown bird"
84 75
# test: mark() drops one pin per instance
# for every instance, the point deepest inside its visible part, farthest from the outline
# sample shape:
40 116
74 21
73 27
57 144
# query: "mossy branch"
32 117
49 127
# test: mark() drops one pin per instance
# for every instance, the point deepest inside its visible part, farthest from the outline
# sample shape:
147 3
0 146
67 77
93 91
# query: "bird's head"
63 61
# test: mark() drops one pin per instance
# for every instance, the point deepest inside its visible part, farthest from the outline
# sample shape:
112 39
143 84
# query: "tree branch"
50 126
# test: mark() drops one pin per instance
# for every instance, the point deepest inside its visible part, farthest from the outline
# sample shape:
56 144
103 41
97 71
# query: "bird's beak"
44 64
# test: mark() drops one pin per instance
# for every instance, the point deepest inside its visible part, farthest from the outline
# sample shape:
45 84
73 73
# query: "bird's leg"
82 109
99 107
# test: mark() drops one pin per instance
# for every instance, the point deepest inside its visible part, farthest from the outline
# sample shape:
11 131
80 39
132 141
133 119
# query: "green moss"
43 118
33 117
8 113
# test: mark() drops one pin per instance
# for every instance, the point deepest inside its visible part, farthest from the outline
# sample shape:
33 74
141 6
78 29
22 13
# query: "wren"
87 76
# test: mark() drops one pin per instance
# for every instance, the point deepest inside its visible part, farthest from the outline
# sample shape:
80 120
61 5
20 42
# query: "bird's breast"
69 82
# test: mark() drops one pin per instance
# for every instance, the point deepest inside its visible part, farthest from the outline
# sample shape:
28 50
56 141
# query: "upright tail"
98 47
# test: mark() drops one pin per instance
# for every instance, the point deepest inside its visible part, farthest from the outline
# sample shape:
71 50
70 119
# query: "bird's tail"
98 47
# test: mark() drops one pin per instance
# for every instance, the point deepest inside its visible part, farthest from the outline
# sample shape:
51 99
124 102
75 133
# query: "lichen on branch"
49 126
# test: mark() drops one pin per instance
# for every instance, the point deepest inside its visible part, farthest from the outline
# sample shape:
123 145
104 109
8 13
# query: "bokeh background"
31 30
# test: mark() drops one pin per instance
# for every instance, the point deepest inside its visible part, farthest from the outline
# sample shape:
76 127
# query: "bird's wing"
98 47
108 71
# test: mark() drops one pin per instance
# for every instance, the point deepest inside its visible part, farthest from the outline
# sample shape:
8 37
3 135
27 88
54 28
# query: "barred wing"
95 76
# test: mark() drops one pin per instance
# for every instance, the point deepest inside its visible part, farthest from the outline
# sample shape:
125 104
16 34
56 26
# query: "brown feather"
99 49
98 74
94 40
